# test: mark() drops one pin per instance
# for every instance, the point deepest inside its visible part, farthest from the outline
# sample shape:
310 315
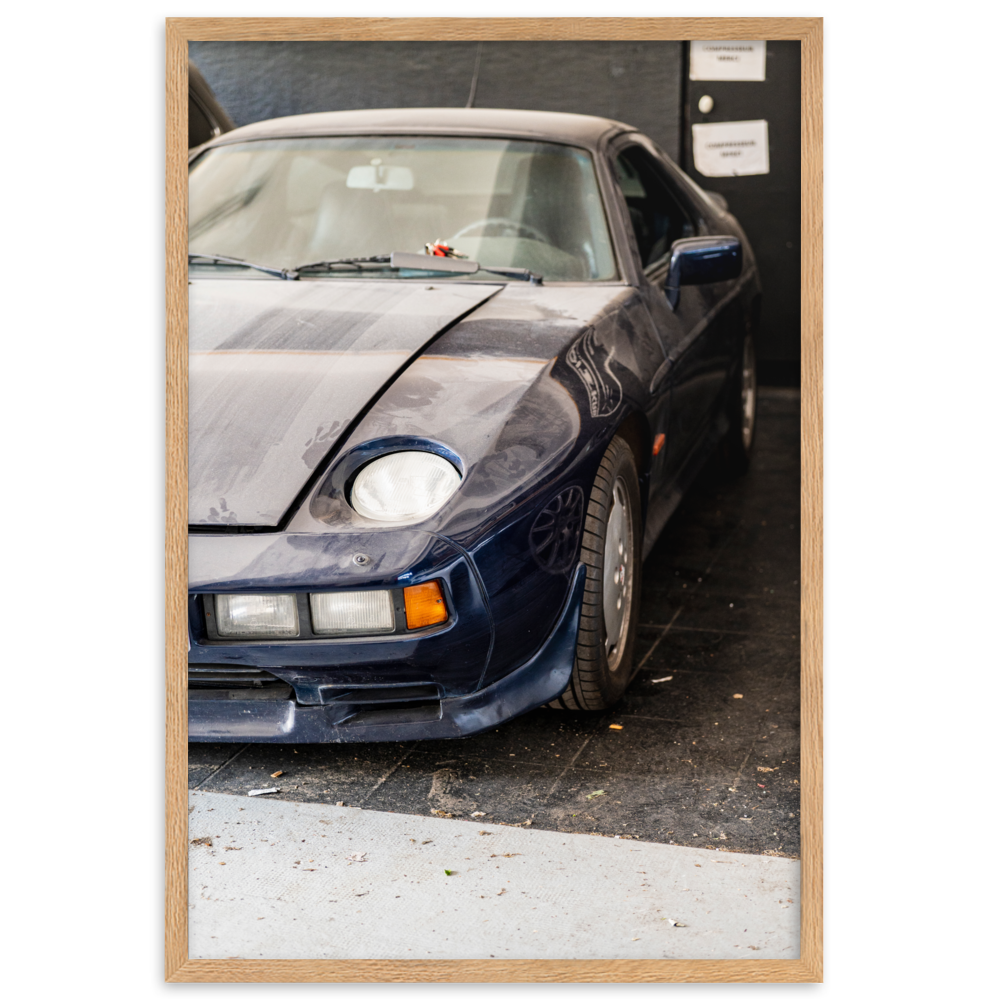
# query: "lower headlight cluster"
335 613
368 611
257 614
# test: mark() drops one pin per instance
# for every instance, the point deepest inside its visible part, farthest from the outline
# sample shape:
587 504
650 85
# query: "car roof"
582 130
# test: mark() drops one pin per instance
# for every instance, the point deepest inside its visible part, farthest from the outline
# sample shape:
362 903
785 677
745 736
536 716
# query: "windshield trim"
231 138
238 274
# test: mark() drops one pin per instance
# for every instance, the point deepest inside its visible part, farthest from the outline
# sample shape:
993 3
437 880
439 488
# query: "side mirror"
702 260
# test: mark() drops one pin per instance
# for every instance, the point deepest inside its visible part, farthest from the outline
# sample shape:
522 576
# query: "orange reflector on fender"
658 443
424 605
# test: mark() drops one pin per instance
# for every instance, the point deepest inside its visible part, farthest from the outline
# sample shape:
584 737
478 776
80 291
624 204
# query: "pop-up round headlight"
404 486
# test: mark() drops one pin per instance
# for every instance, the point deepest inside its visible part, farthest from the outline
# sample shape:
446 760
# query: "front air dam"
536 682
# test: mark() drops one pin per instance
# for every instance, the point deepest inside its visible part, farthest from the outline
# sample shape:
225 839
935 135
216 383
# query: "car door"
695 345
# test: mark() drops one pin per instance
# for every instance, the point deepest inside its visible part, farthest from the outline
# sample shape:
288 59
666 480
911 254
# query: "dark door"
697 353
767 205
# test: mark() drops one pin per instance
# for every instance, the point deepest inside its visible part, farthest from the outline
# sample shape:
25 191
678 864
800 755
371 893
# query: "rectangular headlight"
352 611
256 615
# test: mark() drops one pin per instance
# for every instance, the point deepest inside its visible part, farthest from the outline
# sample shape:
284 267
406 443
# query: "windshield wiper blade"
355 262
278 272
400 260
521 273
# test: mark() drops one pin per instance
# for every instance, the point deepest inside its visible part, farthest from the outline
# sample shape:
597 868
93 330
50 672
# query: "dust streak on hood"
278 369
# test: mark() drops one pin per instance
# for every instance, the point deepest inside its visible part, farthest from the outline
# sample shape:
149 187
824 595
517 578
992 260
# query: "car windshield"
290 202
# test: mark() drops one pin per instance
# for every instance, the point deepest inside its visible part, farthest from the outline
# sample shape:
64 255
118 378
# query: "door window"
200 128
657 216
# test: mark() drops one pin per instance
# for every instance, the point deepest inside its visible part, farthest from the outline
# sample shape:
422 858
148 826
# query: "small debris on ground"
674 923
660 680
263 791
614 725
277 774
593 795
448 871
229 848
737 696
516 854
422 842
202 842
767 769
338 803
358 856
442 814
475 814
485 833
501 892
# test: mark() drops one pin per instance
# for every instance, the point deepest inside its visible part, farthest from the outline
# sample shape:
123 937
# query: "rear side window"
658 219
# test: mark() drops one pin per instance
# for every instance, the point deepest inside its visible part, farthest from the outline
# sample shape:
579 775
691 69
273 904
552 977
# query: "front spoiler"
540 680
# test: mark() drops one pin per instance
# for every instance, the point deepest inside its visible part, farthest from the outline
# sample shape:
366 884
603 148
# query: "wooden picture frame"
807 968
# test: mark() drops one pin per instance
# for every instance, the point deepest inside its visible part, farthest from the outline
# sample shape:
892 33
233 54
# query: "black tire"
602 669
737 446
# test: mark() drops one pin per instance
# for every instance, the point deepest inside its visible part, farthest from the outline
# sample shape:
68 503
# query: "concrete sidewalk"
285 880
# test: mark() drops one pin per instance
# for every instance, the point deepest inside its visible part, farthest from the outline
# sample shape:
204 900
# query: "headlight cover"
352 612
256 615
404 486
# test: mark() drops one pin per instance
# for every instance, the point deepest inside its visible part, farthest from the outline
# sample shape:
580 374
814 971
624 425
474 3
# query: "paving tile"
764 615
204 759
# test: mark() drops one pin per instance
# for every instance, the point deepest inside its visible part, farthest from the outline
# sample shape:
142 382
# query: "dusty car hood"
279 369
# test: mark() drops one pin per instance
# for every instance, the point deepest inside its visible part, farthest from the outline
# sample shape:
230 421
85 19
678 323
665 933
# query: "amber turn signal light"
424 605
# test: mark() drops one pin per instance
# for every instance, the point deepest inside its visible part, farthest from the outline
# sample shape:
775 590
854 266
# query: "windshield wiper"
278 272
399 260
521 273
355 262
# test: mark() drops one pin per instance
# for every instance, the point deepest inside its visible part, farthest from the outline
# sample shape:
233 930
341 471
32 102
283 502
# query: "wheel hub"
618 572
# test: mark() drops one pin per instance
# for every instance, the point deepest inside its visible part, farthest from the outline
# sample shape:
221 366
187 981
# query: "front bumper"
536 682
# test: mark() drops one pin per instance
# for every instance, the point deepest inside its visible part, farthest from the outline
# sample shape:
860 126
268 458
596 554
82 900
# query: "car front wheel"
612 551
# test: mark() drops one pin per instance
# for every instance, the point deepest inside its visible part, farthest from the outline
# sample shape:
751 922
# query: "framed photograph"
659 207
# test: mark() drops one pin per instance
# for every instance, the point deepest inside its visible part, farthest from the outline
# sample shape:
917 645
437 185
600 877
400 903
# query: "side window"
200 129
657 217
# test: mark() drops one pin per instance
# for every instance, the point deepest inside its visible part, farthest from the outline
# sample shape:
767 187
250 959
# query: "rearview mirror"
379 177
702 260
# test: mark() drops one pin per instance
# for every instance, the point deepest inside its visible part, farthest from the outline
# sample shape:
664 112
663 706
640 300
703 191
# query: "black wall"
635 82
767 205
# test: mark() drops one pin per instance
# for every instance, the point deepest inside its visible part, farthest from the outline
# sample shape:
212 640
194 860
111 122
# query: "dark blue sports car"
451 371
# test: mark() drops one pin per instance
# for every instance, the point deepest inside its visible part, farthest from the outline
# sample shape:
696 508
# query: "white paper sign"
730 149
728 60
